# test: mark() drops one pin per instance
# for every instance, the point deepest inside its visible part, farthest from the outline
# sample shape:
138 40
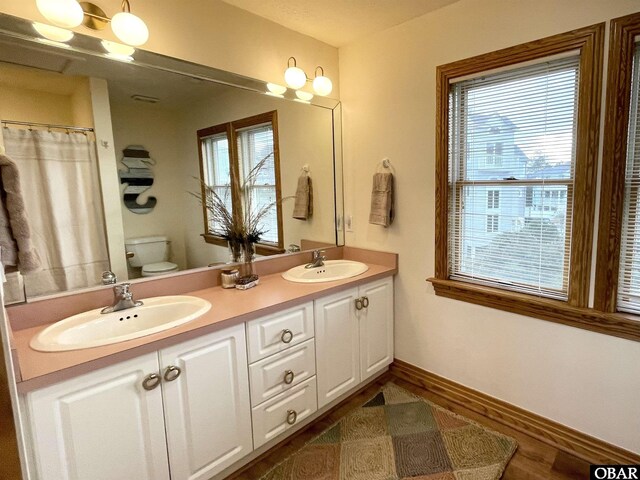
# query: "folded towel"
303 207
16 247
382 199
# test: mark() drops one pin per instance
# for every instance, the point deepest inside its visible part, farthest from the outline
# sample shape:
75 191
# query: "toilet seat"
158 268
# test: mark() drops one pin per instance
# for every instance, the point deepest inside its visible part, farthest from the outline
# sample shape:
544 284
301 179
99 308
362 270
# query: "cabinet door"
101 426
376 327
337 356
207 408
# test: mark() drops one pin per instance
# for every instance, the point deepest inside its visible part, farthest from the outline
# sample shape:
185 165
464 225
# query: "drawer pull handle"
292 416
288 377
359 305
171 373
287 336
151 381
365 302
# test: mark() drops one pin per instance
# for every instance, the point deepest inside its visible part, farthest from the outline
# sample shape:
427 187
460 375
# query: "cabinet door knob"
292 416
171 373
288 377
287 336
365 302
151 381
359 305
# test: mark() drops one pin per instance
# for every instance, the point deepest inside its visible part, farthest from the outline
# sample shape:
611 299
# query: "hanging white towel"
303 208
382 212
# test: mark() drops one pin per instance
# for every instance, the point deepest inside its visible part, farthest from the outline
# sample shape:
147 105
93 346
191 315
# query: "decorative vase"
235 250
246 268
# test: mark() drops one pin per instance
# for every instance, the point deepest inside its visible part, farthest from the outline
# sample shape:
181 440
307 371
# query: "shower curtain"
61 189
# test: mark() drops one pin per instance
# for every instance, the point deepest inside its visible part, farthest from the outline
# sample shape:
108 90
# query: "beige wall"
582 379
155 128
214 33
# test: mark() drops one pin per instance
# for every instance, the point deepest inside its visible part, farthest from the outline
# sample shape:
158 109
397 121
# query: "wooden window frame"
230 128
623 32
589 42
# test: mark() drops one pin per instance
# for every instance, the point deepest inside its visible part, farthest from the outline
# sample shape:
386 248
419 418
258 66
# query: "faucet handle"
122 289
109 278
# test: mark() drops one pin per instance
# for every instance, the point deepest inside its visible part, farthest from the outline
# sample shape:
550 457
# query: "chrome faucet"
109 278
122 299
317 260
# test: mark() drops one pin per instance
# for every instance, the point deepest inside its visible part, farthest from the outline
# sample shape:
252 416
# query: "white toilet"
150 253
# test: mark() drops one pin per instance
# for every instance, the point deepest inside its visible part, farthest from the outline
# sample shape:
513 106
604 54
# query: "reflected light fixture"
294 75
304 96
276 90
118 50
55 34
129 28
321 84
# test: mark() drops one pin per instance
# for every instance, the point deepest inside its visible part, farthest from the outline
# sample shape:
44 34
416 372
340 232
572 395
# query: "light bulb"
129 28
305 96
63 13
322 85
118 49
295 77
55 34
276 89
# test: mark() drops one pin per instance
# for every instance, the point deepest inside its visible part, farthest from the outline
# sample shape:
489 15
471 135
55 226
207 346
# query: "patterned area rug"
397 435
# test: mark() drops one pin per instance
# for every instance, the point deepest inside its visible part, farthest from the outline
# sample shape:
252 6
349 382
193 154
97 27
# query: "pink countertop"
228 307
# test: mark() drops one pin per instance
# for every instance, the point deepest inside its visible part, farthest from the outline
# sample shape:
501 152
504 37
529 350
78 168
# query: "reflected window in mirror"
240 162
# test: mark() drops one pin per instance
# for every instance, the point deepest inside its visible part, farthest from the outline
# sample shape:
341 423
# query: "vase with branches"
240 227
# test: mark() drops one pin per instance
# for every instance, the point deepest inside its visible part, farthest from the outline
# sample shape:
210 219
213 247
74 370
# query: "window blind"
512 142
629 276
215 151
255 144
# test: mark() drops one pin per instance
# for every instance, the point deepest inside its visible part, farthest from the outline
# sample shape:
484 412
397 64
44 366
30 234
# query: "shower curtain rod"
46 125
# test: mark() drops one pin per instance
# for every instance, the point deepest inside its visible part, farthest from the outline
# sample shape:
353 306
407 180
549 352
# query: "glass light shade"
306 96
129 29
118 49
322 85
55 34
276 89
63 13
295 77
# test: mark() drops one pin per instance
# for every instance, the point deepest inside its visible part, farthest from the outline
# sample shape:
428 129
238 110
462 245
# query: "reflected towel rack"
46 125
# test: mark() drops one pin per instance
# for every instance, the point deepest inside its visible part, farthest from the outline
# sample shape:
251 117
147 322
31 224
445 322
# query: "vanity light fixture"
54 34
322 85
129 28
296 78
62 13
294 75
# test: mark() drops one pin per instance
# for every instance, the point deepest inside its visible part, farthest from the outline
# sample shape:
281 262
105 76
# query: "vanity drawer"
283 412
277 332
282 371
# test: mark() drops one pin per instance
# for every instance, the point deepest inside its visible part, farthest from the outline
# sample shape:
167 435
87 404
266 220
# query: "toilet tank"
147 250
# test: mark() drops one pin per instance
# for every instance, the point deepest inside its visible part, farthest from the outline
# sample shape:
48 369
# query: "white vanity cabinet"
106 425
354 337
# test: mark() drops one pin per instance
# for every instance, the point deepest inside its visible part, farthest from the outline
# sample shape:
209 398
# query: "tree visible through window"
231 151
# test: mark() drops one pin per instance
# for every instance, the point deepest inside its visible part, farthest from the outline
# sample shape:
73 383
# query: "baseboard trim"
576 443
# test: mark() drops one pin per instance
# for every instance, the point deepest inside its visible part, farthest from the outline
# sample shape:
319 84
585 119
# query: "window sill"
261 248
614 324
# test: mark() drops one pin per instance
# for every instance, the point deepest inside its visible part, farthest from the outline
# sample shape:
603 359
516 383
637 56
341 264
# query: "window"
535 107
493 199
232 151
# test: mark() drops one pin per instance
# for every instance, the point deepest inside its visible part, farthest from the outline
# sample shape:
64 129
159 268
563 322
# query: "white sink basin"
332 270
92 328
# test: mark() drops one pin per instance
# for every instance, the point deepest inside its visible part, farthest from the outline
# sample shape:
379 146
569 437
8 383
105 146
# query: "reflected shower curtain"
61 189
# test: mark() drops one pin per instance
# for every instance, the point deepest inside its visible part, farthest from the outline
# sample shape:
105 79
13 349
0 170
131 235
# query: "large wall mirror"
110 157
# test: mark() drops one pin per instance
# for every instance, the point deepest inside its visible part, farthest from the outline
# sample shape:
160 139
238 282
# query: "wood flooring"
533 460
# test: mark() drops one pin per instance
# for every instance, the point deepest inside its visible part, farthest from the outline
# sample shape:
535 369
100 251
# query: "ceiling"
339 22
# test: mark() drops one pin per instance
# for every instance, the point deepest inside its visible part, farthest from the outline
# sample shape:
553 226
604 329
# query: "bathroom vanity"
202 399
